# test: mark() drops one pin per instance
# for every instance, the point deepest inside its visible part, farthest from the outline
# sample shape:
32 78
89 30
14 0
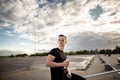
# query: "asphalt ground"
22 69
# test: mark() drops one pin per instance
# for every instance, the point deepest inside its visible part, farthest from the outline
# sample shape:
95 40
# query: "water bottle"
67 59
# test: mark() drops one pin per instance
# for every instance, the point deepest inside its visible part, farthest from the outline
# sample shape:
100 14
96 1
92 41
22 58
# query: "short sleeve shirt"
57 73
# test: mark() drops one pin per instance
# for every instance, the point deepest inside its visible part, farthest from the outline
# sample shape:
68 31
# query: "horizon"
15 53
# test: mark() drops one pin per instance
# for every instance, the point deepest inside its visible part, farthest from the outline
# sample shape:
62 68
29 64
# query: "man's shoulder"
54 49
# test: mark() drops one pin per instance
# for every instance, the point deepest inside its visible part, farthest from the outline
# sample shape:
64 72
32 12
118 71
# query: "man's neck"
61 48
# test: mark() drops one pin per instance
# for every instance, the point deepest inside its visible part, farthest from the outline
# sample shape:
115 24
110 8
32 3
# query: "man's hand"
65 63
69 75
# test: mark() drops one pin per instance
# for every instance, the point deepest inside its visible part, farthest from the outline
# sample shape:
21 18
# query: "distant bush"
103 51
71 53
3 56
39 54
78 52
11 56
21 55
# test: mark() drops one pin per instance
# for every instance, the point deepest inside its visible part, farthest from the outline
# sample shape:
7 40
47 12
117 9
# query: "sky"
34 25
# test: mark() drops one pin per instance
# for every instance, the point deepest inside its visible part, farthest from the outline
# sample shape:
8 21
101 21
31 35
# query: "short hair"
61 35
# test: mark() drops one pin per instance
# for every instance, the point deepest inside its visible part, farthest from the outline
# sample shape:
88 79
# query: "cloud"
116 22
27 37
9 33
23 43
41 21
91 41
111 11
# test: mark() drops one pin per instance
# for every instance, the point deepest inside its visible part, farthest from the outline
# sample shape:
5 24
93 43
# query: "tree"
117 49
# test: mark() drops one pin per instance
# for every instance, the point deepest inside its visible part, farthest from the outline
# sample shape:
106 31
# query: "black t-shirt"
57 73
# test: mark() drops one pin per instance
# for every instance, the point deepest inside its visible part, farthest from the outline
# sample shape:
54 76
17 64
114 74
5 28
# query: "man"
58 64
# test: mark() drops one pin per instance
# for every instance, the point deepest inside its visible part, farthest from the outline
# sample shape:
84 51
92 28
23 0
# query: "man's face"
61 41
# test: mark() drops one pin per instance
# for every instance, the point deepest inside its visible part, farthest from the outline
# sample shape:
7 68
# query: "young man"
58 64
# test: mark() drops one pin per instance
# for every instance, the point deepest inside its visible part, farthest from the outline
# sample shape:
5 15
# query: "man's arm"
50 62
69 75
69 72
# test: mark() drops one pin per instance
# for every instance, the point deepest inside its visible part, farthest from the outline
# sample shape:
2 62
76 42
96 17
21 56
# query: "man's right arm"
50 62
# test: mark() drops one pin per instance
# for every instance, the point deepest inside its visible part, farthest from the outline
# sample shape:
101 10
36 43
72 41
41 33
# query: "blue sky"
12 41
35 24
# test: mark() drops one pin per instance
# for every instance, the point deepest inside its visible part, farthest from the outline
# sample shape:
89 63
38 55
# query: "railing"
102 73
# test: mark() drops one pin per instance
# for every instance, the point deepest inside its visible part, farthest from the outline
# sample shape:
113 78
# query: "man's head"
62 39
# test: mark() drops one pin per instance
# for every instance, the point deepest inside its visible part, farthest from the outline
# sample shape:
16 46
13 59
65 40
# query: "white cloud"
44 24
27 36
9 33
23 44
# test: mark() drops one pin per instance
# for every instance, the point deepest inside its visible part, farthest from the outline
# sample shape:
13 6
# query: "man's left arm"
69 75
